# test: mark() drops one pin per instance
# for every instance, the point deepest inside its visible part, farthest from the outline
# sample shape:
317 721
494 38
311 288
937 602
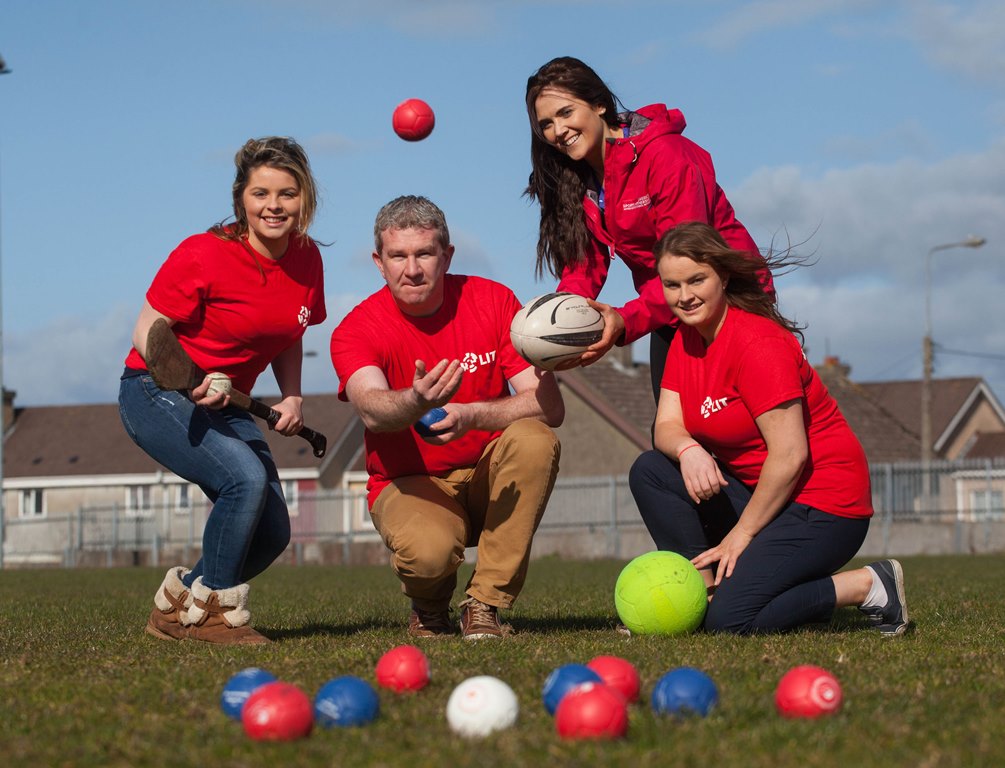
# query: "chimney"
833 363
8 409
620 357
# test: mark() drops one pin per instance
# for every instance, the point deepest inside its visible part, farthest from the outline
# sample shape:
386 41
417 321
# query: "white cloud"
430 18
70 360
907 139
750 19
871 228
965 38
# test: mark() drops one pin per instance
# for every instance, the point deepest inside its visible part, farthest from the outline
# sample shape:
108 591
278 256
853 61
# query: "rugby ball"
555 327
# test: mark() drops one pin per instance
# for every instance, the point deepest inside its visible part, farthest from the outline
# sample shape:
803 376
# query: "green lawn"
81 684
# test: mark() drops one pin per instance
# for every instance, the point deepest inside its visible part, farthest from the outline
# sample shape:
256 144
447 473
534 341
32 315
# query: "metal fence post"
115 535
191 531
958 516
346 529
613 539
68 558
887 519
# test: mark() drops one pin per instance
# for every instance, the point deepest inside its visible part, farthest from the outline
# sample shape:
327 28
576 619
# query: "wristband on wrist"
687 448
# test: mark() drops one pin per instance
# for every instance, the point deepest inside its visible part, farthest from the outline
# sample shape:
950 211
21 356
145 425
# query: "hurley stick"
172 368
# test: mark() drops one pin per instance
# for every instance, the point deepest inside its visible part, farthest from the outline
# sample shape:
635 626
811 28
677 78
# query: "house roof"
986 445
883 436
621 394
79 440
902 399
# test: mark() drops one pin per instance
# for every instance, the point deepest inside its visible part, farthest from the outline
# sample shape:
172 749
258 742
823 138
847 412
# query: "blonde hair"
284 154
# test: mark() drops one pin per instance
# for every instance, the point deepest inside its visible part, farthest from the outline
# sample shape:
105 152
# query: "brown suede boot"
173 599
221 616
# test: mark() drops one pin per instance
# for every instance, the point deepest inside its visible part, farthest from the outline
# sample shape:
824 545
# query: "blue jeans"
781 580
226 455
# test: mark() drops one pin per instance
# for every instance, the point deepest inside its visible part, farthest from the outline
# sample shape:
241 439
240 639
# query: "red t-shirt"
472 326
236 312
753 366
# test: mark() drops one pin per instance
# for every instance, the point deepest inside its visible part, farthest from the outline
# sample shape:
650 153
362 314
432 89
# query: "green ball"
660 593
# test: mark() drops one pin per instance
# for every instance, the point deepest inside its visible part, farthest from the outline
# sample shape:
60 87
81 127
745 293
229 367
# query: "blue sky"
873 130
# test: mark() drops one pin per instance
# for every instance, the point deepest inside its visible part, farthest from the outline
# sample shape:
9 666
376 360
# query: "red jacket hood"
648 122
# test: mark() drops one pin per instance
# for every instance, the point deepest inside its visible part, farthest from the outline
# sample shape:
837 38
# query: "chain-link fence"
946 507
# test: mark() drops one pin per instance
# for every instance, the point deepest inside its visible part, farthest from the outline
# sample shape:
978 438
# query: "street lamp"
3 511
927 353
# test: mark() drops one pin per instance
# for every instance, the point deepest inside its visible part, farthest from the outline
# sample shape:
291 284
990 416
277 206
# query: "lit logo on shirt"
710 406
471 361
304 316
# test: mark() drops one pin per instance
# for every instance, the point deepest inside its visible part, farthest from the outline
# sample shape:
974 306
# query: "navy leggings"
781 580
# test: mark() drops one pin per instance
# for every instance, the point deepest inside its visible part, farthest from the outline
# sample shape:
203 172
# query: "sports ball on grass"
346 701
684 691
553 328
413 120
424 426
619 674
660 593
592 711
239 687
278 712
480 706
808 691
403 669
562 680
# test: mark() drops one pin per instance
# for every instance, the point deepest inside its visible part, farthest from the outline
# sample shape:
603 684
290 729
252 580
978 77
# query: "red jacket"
654 179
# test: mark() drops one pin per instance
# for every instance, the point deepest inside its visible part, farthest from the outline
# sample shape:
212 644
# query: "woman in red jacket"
612 183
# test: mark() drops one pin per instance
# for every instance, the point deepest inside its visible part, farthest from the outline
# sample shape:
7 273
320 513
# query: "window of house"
138 501
32 503
987 505
291 490
183 499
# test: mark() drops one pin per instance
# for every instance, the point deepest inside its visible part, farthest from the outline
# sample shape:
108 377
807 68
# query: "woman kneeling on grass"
757 477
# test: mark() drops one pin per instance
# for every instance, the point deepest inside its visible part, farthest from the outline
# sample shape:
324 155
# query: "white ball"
481 705
555 327
219 383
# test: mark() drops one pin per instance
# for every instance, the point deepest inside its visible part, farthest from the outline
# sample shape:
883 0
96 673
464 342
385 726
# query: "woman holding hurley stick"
239 298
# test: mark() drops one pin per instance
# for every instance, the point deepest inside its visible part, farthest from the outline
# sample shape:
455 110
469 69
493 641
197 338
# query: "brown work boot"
221 616
171 603
436 623
480 621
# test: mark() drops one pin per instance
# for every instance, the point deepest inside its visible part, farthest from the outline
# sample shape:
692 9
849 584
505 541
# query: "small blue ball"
424 425
240 687
562 680
684 691
346 701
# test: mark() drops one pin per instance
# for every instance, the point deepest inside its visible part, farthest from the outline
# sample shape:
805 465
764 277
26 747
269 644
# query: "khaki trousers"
496 505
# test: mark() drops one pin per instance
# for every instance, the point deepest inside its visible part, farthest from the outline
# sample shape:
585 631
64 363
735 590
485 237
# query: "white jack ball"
481 705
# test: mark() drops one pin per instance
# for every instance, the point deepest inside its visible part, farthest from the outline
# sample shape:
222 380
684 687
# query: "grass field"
82 685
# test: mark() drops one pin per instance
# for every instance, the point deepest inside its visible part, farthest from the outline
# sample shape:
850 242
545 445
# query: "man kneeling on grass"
430 339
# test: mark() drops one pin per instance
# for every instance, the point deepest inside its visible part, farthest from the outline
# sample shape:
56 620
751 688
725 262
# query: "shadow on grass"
558 624
318 629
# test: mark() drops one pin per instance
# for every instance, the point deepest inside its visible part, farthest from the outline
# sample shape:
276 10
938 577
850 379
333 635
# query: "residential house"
962 410
59 459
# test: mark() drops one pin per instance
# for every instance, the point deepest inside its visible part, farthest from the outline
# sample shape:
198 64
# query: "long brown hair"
556 182
282 153
742 274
